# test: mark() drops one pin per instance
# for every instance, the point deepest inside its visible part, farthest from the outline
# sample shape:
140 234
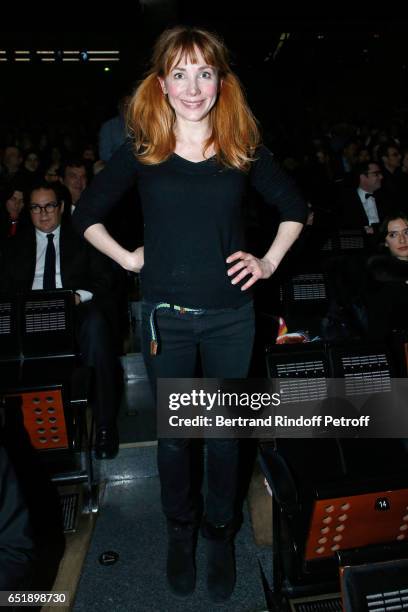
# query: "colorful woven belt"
163 305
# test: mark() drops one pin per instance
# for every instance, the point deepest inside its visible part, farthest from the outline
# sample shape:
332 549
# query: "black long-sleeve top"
193 220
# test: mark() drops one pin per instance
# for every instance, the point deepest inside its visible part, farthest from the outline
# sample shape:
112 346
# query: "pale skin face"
191 89
397 238
14 205
45 221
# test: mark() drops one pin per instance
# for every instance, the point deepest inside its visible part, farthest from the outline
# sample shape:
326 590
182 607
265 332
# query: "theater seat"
44 388
332 494
325 499
376 583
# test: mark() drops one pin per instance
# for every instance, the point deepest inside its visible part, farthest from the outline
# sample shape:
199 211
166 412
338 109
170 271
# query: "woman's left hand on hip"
248 264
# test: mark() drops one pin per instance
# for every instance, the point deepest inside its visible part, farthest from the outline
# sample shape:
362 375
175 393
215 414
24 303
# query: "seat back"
37 354
345 241
37 336
375 586
334 493
304 300
356 521
47 327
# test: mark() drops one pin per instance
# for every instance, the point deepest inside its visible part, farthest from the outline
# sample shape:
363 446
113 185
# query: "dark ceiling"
327 62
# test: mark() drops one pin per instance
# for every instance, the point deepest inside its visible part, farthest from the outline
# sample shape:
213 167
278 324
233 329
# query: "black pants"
95 341
224 340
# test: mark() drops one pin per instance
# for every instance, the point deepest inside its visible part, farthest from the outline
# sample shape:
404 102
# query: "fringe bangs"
235 134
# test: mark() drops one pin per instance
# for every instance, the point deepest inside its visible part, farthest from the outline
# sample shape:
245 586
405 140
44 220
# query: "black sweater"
193 219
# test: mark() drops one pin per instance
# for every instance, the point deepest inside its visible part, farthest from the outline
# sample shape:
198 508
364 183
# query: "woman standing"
193 151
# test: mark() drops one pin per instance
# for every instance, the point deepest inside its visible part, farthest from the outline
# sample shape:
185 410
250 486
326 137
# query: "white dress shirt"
42 242
370 206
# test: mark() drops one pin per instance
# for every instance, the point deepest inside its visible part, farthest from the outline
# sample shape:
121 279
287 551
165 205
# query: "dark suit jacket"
351 213
82 267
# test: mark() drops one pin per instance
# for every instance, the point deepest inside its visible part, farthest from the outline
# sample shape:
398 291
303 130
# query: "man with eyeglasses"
358 207
50 255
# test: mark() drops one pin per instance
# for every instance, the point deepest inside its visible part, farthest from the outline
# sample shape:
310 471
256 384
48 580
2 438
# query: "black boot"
221 561
181 573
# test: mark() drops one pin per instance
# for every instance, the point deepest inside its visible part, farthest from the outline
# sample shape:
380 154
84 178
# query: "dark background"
329 70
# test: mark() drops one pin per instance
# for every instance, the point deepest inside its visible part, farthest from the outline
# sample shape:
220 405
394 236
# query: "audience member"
113 132
363 155
49 255
51 174
75 179
357 207
88 157
88 153
31 167
12 214
387 295
12 160
345 161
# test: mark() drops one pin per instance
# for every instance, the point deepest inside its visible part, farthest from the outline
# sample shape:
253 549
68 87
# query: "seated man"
49 255
74 178
358 207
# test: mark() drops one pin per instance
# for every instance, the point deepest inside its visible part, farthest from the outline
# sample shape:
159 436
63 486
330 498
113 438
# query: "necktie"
49 266
369 195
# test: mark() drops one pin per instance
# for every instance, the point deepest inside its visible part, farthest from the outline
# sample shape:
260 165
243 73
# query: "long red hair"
234 131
